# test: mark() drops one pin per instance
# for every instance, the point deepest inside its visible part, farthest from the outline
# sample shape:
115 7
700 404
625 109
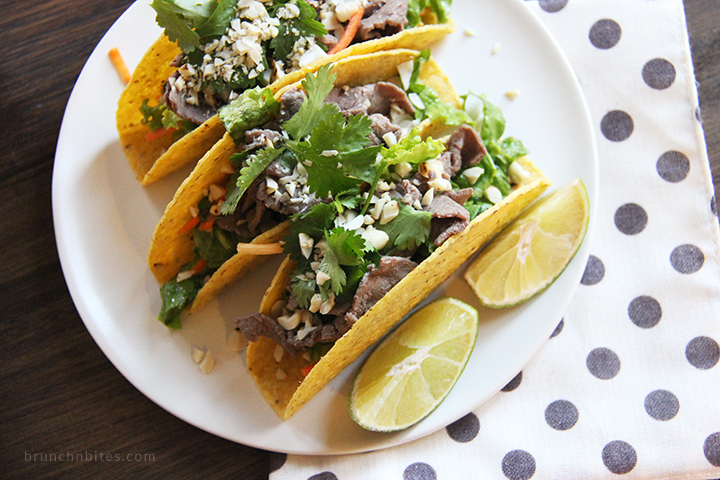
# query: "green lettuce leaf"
176 297
412 149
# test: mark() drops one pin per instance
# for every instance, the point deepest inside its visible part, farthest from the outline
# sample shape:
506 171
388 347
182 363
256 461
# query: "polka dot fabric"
628 383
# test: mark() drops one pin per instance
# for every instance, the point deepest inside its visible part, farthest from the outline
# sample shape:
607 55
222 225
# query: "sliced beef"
460 196
380 126
178 104
406 192
278 169
369 99
258 137
383 18
329 41
257 325
290 103
285 203
466 141
376 283
448 218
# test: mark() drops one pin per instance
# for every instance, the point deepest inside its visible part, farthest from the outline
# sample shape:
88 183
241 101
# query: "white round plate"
104 221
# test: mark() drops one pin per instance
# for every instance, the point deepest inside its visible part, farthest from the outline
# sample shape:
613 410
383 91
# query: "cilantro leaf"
344 247
152 116
313 223
302 290
217 24
254 166
354 161
180 18
252 108
409 229
160 116
313 109
304 25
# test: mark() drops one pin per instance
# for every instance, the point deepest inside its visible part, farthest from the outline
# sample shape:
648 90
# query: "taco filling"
230 46
382 199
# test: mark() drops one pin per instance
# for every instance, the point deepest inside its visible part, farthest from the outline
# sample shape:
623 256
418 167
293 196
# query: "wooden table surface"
60 394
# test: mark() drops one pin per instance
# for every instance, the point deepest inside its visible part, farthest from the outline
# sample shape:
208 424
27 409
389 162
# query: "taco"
395 227
233 209
213 50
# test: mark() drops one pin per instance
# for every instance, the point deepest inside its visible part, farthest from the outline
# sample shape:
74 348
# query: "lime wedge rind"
497 285
421 384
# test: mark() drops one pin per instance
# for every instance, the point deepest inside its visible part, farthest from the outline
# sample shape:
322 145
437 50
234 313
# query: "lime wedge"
412 370
533 251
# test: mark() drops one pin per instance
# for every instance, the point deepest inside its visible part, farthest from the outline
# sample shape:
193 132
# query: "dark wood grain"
59 393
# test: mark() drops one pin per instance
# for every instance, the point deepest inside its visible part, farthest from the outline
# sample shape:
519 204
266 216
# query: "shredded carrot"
190 224
159 133
119 65
304 371
199 266
207 225
260 248
350 32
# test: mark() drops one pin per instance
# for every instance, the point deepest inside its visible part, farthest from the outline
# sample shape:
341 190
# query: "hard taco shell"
169 249
153 160
290 392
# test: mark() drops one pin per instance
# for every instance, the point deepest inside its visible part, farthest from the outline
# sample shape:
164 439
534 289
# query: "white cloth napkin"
629 382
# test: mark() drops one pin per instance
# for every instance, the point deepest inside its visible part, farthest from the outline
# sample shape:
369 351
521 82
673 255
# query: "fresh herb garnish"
290 30
192 23
410 229
255 164
160 116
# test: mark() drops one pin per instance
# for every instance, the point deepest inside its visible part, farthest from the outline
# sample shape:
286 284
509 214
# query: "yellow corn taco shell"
153 160
169 249
286 396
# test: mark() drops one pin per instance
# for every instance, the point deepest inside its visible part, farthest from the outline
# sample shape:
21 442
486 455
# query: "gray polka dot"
561 415
631 219
276 460
605 33
713 206
617 126
594 271
661 405
518 465
603 363
673 166
645 311
513 384
702 353
712 449
687 258
558 329
465 429
419 471
552 6
658 73
323 476
619 457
